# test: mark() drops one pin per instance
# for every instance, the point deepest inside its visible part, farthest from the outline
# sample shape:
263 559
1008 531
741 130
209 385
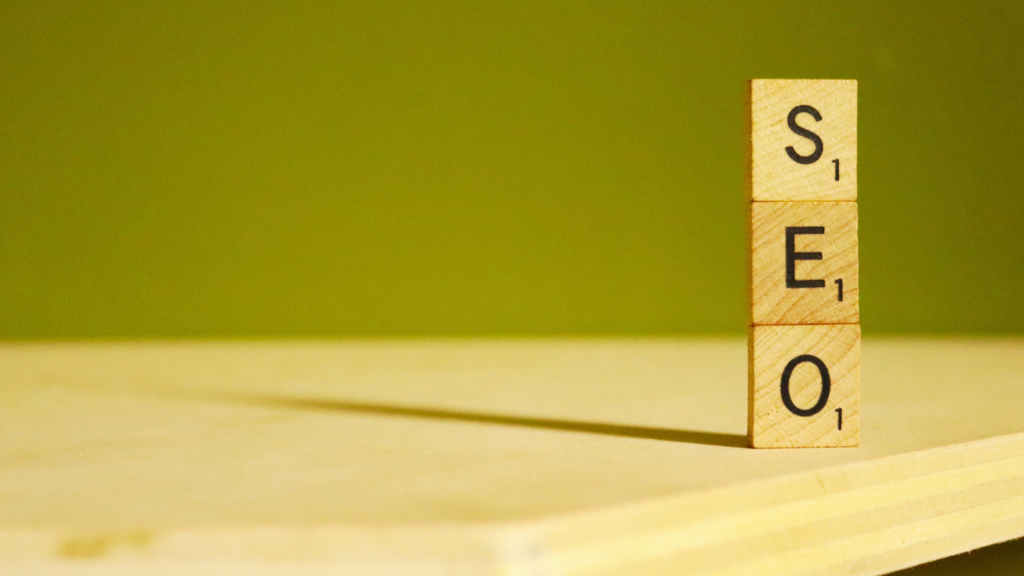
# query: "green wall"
175 169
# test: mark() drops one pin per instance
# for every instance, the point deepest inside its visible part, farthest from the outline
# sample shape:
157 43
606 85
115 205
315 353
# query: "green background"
178 169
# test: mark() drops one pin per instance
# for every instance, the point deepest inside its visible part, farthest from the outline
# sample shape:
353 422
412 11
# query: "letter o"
826 385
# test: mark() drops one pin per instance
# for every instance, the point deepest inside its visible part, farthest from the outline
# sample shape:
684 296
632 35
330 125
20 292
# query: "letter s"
819 147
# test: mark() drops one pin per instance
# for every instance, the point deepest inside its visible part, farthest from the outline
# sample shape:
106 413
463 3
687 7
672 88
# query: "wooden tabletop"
531 457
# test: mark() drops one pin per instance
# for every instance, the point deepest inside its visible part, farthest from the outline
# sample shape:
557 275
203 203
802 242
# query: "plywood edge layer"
877 516
743 527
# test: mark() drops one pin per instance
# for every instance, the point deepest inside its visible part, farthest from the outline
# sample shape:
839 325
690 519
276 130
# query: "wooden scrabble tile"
803 140
803 263
804 386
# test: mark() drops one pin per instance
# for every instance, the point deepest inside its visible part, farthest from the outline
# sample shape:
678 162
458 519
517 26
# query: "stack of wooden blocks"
804 342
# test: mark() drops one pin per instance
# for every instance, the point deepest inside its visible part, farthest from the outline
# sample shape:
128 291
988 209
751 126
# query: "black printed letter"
800 131
792 256
826 385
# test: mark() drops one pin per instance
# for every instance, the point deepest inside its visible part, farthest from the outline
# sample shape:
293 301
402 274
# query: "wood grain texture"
543 457
774 175
772 302
771 424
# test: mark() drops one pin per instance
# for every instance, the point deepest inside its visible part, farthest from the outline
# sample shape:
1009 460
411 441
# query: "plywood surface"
535 457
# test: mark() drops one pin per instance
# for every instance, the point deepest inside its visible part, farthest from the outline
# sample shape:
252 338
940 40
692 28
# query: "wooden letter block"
804 263
803 140
804 386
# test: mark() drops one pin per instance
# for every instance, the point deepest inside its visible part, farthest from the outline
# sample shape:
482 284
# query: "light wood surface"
775 176
532 457
825 399
773 300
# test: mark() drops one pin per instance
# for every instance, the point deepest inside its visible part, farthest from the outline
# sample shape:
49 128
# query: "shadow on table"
623 431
